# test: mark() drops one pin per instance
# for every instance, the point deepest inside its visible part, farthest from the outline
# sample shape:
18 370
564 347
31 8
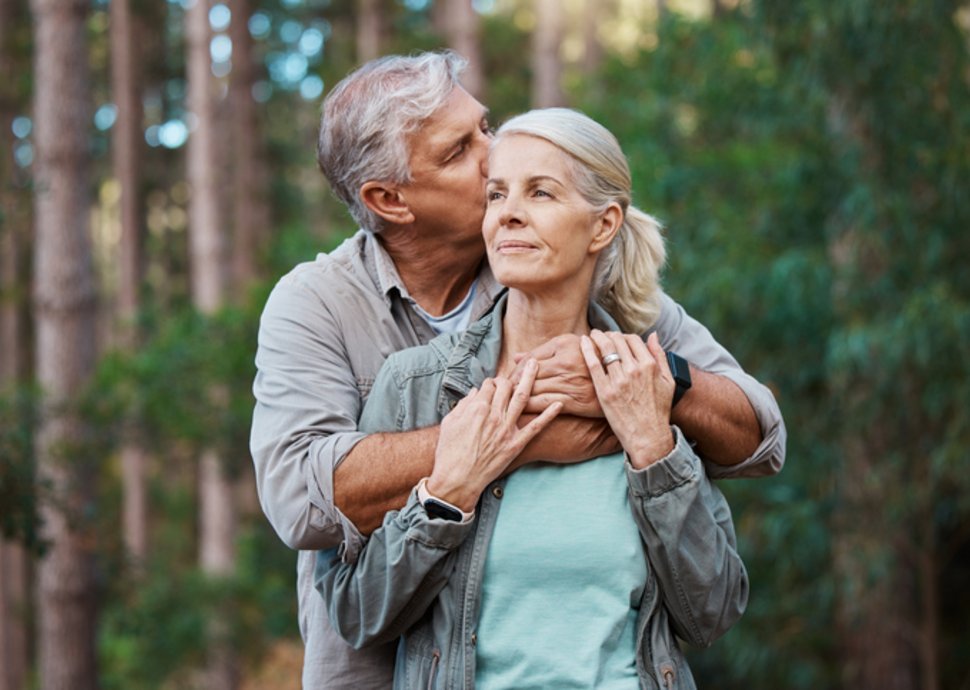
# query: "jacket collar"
472 356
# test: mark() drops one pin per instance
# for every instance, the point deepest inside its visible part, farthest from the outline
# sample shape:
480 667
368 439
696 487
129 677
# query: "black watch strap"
680 370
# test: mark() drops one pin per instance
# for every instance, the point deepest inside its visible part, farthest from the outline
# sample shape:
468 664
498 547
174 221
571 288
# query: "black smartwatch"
680 370
440 509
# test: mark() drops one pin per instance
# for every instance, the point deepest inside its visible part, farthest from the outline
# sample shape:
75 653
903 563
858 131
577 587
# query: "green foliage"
18 485
804 159
155 631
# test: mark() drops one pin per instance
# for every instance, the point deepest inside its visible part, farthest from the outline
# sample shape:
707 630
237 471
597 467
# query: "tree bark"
216 520
126 159
592 48
370 30
13 616
65 315
462 26
251 210
546 62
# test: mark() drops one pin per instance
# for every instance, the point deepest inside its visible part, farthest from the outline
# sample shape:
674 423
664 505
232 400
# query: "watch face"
439 510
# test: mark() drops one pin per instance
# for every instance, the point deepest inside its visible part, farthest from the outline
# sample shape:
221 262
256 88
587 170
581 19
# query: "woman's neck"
530 320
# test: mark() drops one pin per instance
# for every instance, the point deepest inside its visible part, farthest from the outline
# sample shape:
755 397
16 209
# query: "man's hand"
563 378
566 440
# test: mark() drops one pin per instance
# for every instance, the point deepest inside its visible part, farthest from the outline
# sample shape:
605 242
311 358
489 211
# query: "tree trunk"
546 62
370 30
126 149
462 26
205 224
592 47
65 313
251 210
13 616
216 557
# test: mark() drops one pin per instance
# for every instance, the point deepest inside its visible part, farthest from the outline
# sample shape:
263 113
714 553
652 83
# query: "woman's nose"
512 215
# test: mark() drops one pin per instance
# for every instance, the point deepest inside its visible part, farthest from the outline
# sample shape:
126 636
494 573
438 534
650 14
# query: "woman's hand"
636 392
480 438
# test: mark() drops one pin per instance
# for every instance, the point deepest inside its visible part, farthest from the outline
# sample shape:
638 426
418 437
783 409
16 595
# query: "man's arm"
378 474
717 416
732 418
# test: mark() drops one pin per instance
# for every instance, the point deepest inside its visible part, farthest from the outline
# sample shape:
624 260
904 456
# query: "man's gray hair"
368 117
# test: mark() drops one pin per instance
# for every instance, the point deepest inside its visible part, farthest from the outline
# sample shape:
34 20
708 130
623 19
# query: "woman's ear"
607 225
386 201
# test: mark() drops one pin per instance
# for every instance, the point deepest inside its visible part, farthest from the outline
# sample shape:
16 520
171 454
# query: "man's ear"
607 225
387 202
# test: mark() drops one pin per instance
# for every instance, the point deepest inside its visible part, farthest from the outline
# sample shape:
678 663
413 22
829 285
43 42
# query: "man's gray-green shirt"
326 330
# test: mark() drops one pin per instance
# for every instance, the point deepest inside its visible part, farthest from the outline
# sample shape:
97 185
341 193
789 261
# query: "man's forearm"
379 473
717 415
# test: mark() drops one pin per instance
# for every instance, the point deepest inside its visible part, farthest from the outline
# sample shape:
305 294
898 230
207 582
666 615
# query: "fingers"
592 357
523 389
658 354
533 428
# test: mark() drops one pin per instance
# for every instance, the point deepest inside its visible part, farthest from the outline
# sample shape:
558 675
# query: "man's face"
449 158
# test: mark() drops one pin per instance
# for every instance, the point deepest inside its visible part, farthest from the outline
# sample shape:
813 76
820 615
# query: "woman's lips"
515 247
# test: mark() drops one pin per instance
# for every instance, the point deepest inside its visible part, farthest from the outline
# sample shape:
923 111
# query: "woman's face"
539 231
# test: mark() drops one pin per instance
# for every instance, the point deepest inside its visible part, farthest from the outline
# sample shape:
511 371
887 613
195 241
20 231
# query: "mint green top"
566 567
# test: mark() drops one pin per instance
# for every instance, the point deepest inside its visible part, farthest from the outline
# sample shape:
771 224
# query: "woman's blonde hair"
627 277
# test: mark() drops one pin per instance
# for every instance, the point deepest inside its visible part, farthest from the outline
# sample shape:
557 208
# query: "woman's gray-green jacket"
421 577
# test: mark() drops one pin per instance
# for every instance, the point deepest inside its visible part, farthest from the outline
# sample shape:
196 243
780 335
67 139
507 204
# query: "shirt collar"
384 273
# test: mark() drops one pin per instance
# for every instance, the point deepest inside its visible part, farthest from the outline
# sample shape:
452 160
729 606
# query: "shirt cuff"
675 469
432 532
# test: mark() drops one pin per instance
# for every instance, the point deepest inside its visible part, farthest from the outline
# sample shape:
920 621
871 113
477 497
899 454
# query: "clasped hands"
490 431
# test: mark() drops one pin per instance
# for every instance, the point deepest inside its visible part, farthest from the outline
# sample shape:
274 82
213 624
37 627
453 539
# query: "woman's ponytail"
627 279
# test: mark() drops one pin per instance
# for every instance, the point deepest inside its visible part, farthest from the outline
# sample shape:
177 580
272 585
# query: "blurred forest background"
811 161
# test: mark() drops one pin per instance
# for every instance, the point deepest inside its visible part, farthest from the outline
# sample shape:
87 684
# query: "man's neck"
437 275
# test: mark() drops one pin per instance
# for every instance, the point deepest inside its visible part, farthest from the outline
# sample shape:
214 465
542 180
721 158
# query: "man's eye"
492 196
457 153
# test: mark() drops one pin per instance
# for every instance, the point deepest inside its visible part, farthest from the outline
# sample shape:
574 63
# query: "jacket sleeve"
686 336
686 525
399 572
305 418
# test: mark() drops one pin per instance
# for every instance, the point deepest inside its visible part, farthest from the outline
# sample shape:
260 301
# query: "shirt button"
451 405
474 639
497 491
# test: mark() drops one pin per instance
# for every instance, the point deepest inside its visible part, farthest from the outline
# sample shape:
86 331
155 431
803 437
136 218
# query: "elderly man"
405 147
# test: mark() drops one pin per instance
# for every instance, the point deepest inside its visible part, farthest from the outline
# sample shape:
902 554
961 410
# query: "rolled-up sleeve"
305 419
679 332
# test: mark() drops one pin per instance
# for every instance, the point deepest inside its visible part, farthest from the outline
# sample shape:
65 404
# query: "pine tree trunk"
370 30
65 314
13 616
251 210
546 62
216 556
463 28
126 139
592 47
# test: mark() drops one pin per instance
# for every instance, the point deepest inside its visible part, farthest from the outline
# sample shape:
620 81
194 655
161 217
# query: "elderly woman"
550 576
